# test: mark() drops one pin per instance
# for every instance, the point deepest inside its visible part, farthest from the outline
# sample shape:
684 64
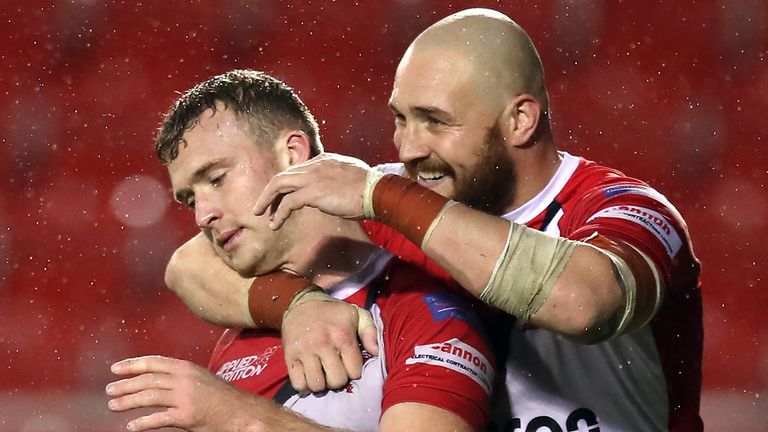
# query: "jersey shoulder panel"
436 351
623 208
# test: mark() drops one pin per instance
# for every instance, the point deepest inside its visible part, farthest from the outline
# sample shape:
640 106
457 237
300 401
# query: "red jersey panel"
433 352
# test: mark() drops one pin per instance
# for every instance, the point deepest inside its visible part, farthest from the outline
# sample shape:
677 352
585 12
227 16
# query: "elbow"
173 272
592 328
595 320
181 264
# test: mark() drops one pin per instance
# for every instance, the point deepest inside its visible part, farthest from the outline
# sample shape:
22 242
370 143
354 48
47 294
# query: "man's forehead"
222 121
447 80
422 82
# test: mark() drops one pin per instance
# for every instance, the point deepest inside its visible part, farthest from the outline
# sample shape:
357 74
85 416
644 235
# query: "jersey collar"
539 203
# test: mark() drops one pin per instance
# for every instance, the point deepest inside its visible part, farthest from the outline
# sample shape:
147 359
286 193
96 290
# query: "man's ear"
293 148
523 114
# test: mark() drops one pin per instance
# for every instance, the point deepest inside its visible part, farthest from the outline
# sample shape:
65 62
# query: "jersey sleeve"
637 215
395 243
435 350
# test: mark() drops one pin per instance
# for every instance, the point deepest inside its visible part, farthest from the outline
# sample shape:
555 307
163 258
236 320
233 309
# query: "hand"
186 395
320 344
330 182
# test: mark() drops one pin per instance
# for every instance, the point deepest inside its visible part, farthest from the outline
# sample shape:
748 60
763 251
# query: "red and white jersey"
432 351
645 380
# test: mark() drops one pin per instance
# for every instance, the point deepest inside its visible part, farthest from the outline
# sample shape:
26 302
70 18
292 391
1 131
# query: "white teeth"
431 175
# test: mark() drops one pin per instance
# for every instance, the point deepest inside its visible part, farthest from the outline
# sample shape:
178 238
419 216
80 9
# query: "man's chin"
246 270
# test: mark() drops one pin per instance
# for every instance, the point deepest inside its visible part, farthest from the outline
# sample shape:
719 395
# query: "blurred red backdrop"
667 91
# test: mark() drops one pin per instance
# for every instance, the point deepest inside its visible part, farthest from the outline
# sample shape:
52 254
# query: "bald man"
596 267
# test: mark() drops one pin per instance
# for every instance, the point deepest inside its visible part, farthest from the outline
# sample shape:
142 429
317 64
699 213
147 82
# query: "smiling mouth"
430 176
431 179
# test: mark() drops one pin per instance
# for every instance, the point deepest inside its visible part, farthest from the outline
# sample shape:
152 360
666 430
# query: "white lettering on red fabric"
651 220
246 367
458 356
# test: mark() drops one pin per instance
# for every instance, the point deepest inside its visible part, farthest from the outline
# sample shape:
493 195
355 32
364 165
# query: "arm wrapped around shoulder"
526 271
531 262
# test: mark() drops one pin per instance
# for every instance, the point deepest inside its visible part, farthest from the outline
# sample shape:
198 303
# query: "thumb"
366 331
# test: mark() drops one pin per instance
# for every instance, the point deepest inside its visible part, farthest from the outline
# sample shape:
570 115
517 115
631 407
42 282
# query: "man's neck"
332 252
533 171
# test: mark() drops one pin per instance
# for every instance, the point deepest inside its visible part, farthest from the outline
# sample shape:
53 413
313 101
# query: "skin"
468 75
218 173
458 80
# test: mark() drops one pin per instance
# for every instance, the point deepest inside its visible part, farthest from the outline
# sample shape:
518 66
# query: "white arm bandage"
526 271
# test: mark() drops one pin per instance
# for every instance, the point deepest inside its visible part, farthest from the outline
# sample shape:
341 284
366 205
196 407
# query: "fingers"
313 371
366 331
146 364
153 421
334 370
352 359
288 203
281 184
138 383
297 377
142 399
321 344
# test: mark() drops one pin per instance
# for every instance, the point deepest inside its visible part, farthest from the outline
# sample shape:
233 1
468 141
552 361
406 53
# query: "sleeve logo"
457 356
444 305
653 221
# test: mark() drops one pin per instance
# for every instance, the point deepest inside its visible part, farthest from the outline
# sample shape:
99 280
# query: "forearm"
468 243
182 394
263 415
210 289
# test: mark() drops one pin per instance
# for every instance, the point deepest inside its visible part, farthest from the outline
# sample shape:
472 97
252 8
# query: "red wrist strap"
269 296
406 206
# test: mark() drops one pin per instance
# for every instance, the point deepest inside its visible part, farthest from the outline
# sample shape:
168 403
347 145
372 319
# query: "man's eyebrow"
431 110
426 111
200 173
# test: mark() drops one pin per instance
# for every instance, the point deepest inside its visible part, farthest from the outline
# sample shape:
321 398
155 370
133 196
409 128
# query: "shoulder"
629 210
605 194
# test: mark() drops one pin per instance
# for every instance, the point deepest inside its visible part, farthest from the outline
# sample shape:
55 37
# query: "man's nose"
412 145
206 213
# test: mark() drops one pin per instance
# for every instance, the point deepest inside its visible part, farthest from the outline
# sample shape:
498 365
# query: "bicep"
413 416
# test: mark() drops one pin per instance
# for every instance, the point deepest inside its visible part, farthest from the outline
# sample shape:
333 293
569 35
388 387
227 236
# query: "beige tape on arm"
315 293
371 180
628 284
436 222
308 294
526 271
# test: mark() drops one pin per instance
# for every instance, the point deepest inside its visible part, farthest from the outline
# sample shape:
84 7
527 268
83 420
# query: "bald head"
491 49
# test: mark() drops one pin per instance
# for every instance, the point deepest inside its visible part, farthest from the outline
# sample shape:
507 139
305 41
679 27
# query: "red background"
667 91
